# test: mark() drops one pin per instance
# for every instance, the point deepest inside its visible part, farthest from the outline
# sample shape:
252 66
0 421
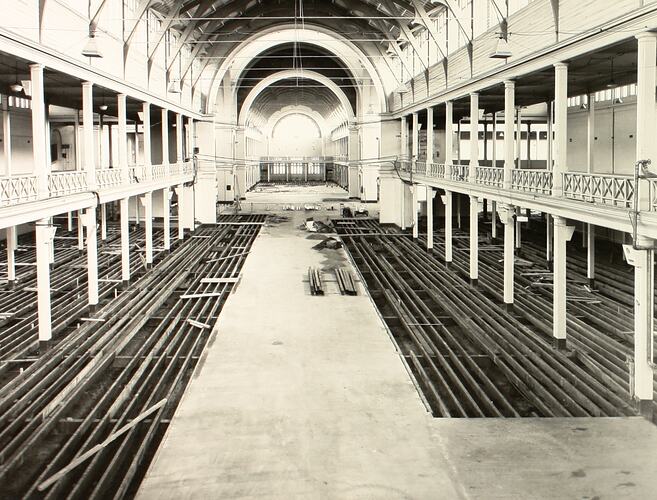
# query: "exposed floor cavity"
305 397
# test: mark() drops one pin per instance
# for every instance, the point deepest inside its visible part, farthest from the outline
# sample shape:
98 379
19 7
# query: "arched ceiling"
293 93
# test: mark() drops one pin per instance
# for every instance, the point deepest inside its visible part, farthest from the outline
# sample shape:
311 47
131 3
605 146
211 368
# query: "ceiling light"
16 87
90 48
502 50
174 87
103 107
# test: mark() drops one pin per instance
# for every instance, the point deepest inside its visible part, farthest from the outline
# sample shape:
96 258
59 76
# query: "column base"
508 307
448 264
125 284
429 249
591 282
560 344
45 346
11 284
550 265
149 265
646 408
92 308
474 282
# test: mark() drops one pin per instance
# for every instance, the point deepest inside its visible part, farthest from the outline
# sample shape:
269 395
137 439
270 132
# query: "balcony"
19 189
608 190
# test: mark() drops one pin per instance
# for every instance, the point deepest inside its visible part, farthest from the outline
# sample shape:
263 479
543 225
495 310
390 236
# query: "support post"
474 137
166 218
590 136
123 138
80 232
448 227
10 235
561 126
590 253
518 230
429 197
40 140
449 134
92 257
415 137
148 152
404 138
474 240
506 216
6 135
430 138
416 221
548 239
148 218
89 165
125 240
103 222
493 226
509 152
561 236
43 234
643 259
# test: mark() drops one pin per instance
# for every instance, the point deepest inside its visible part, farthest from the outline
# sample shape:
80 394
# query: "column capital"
506 213
560 66
559 220
87 84
509 84
474 94
646 35
36 66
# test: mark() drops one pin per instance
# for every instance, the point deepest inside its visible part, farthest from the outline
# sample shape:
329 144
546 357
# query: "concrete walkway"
302 397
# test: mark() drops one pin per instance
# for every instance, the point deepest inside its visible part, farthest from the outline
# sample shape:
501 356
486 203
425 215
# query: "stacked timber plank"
315 281
345 281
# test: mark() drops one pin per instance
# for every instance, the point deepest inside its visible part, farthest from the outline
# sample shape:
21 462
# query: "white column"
6 134
646 115
69 219
518 229
103 222
449 133
40 140
416 135
518 143
89 165
493 151
429 197
404 138
590 251
92 256
590 143
559 281
550 133
180 138
561 126
43 233
165 137
430 135
474 136
181 210
148 152
474 239
10 235
415 211
506 216
494 219
509 151
125 240
166 223
80 231
643 260
448 226
549 238
123 138
147 200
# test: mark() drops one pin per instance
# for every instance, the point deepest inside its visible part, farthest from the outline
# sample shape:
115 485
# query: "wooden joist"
345 281
315 280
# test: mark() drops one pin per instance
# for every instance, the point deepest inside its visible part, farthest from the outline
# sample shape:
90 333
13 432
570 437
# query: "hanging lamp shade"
90 48
502 50
174 87
16 87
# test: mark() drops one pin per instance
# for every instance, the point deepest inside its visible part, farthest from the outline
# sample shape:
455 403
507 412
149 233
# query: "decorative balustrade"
489 176
138 173
532 181
63 183
459 172
436 170
404 165
109 177
614 190
420 167
18 189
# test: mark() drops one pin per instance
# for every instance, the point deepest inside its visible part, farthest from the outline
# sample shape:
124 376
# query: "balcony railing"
109 177
489 176
25 188
459 172
18 189
532 181
614 190
63 183
436 170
